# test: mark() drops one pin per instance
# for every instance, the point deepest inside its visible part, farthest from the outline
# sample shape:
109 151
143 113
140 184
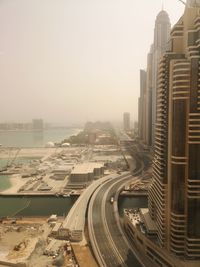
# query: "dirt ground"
29 220
18 241
83 252
84 256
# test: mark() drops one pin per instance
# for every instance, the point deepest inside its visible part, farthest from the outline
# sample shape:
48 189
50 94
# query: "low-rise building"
55 229
61 172
141 230
87 172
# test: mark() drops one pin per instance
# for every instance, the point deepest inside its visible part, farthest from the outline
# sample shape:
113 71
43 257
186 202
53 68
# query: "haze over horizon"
70 61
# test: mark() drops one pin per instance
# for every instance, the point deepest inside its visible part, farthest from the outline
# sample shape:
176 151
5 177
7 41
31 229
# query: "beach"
16 182
6 153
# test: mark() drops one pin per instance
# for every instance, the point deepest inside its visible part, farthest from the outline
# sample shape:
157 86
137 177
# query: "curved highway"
75 219
108 242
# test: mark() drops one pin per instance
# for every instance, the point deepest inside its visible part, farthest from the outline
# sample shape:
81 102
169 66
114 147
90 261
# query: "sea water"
35 138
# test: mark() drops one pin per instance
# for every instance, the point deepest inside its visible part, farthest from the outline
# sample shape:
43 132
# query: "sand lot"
19 241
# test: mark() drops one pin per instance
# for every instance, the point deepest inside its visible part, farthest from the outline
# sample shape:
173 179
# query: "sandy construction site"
23 241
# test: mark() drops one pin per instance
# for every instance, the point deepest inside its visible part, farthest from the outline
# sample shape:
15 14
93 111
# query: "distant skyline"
70 61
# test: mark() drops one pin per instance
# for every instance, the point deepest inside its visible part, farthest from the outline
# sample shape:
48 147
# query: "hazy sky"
74 60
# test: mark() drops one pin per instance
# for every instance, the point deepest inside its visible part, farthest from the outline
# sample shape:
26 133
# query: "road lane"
109 244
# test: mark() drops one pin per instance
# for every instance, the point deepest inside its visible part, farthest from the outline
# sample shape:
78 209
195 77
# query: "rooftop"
149 223
141 219
162 16
86 168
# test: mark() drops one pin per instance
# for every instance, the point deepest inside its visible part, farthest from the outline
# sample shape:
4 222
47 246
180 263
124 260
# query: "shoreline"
8 182
15 183
42 130
62 134
28 152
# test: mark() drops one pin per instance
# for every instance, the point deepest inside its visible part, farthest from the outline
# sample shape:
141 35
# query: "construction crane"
10 159
15 156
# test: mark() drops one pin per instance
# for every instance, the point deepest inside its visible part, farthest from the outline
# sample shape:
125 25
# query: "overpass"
108 241
74 223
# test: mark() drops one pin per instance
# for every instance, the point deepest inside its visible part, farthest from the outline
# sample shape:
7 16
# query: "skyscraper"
148 80
142 106
161 36
126 121
174 200
169 231
148 104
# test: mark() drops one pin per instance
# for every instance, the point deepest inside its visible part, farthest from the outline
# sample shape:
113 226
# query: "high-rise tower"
174 198
148 97
126 121
142 106
161 36
148 80
168 232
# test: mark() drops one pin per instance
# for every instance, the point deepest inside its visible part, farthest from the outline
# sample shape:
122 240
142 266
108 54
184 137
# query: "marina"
35 206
